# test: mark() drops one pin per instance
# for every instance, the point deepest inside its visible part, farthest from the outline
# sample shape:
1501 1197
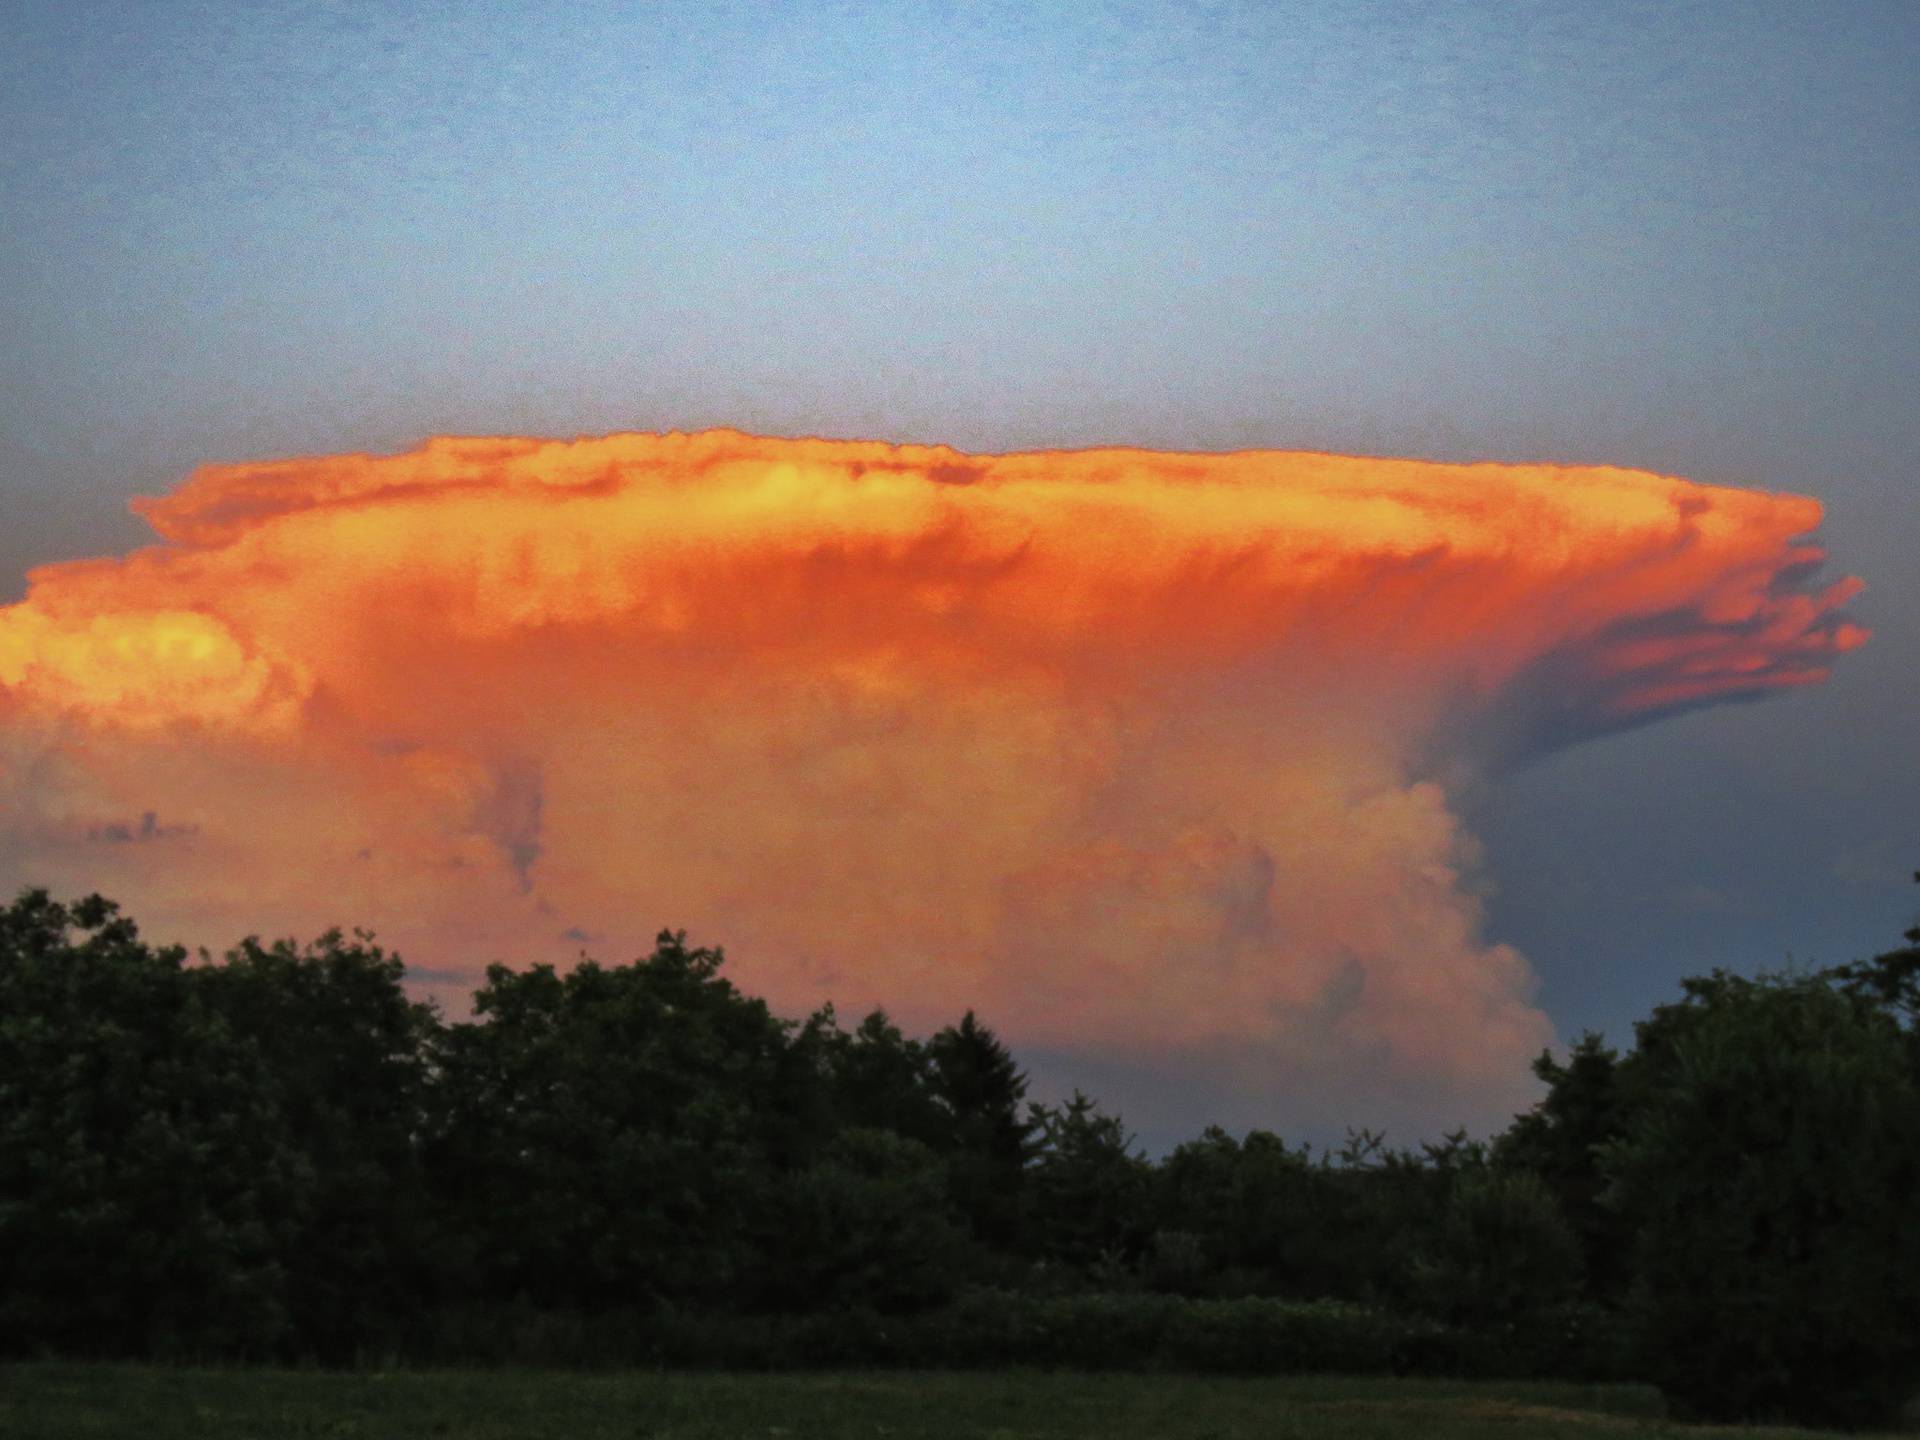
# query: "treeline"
280 1156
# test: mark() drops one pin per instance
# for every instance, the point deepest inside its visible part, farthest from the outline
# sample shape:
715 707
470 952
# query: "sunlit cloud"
1145 756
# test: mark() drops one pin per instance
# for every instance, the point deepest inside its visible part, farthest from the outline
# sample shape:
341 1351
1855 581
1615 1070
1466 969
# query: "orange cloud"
1141 754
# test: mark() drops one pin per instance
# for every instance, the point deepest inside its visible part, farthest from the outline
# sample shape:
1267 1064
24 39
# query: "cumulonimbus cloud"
1143 755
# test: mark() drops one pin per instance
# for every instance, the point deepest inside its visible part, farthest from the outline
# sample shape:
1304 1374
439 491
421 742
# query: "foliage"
1889 982
880 1079
346 1074
1273 1219
988 1140
1256 1209
144 1174
607 1137
1560 1141
277 1154
994 1328
1768 1182
1089 1192
867 1225
1503 1251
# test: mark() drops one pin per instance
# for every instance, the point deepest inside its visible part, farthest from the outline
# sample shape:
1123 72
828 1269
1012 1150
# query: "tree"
1560 1141
144 1178
867 1224
1259 1210
988 1141
614 1137
1503 1250
1768 1176
1890 981
1089 1191
879 1079
346 1055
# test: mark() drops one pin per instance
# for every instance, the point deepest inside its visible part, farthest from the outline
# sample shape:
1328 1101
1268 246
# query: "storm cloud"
1149 757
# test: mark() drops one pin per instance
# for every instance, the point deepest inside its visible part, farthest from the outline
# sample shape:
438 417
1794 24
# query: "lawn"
59 1400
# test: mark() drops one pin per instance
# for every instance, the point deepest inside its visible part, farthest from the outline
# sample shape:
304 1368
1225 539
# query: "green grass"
150 1403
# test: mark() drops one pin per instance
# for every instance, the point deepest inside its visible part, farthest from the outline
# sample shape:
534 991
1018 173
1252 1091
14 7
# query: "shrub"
1503 1251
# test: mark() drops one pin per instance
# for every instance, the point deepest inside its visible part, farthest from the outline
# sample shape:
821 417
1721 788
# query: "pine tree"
989 1141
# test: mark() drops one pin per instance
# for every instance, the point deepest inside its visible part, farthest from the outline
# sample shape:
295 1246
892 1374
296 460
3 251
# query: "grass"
150 1403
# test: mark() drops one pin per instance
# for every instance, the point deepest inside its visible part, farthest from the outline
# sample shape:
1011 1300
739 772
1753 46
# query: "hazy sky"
1672 236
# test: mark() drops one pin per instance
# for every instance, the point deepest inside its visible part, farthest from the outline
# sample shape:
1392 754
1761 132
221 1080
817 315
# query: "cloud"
1146 756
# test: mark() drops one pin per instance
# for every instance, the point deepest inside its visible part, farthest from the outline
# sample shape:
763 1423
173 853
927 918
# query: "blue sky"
1678 236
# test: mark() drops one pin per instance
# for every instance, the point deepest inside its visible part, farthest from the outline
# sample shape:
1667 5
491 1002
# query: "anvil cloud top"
1138 752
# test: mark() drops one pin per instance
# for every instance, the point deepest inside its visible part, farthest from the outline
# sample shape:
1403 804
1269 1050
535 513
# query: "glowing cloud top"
1136 752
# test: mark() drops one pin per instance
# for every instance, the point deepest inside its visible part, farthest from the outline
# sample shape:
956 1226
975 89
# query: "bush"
1253 1336
1589 1344
994 1329
1503 1252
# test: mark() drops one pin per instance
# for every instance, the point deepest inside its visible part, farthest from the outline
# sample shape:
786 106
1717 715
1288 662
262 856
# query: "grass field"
54 1400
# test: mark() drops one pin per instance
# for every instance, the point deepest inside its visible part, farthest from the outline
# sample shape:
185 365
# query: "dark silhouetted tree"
347 1063
866 1224
1560 1141
144 1176
1259 1211
1090 1193
612 1137
1503 1250
1768 1179
880 1079
1890 981
988 1139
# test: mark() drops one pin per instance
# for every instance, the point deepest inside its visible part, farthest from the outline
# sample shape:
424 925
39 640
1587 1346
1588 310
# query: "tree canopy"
278 1153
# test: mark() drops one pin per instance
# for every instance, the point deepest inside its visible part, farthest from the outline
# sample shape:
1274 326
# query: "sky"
1673 238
